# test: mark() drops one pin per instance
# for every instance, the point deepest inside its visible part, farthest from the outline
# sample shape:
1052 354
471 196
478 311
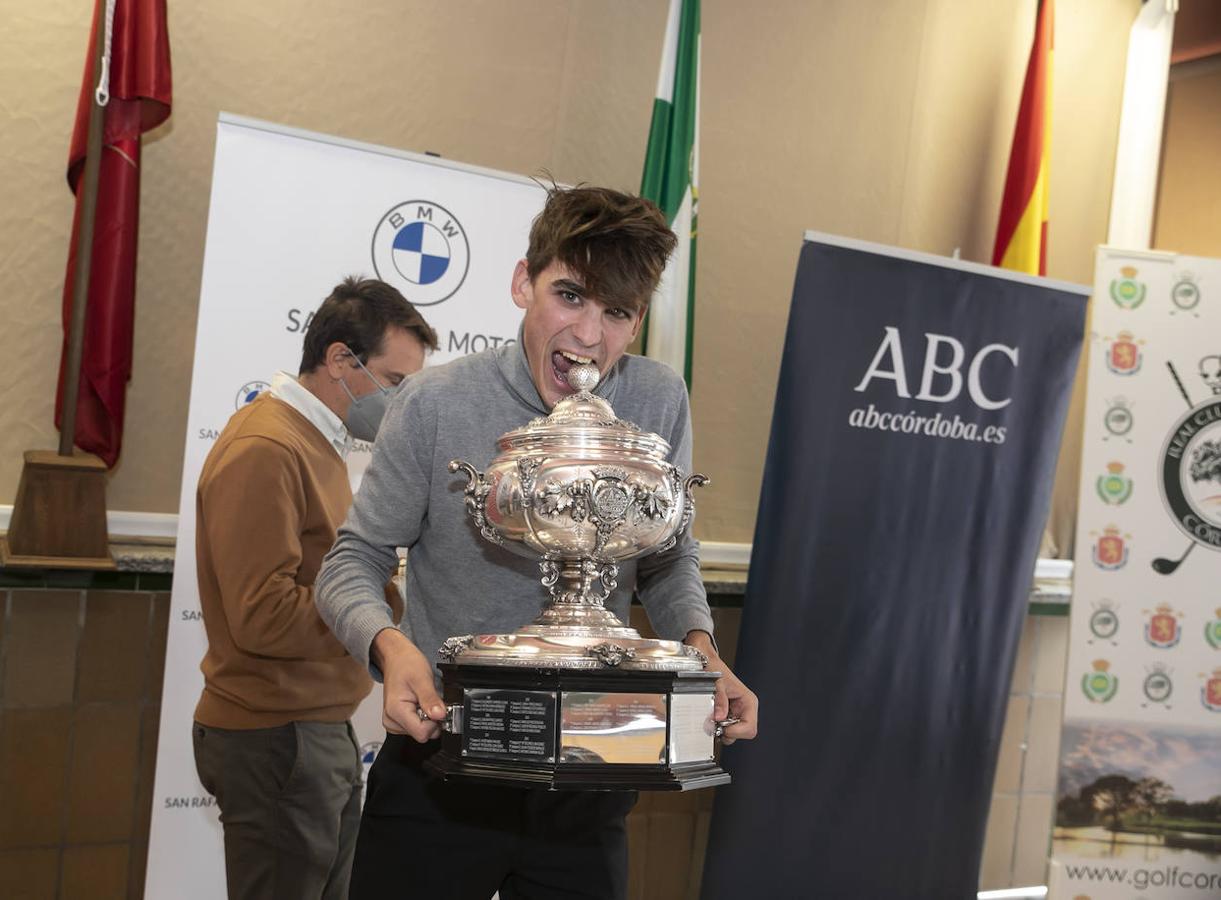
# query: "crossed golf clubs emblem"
1206 458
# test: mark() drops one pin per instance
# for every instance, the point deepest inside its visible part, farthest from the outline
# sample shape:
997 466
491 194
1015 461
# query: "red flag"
1021 234
139 101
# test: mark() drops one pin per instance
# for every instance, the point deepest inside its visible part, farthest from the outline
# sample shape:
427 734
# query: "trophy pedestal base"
564 729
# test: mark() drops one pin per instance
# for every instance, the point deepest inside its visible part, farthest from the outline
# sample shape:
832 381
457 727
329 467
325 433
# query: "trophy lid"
585 417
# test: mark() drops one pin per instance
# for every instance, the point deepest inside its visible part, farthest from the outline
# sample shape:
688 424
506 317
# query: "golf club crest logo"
1110 551
1104 623
248 392
1185 295
1212 631
1118 419
1190 467
1114 487
1126 291
1123 354
1210 691
421 248
1157 686
1100 685
1163 630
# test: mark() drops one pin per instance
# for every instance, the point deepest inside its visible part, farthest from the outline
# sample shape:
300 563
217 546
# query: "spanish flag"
1021 234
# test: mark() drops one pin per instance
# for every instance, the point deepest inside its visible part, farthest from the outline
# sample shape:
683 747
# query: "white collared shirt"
285 387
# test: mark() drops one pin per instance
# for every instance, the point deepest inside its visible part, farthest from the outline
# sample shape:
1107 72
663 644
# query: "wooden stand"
59 517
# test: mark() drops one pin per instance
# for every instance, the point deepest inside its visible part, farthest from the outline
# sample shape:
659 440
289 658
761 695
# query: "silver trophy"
578 699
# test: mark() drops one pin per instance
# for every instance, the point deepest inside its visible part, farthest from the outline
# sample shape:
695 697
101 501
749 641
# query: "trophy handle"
476 495
689 484
452 723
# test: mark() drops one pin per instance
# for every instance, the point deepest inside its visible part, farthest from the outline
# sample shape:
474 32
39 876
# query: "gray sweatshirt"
458 582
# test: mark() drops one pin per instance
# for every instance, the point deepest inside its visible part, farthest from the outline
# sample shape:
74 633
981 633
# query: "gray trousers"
289 801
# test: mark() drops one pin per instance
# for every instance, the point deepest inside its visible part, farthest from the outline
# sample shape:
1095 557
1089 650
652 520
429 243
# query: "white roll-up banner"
291 214
1138 807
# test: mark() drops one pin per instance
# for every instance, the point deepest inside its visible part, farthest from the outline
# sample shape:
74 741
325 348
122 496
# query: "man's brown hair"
357 314
615 244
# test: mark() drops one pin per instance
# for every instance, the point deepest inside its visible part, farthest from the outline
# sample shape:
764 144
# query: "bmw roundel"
248 391
421 248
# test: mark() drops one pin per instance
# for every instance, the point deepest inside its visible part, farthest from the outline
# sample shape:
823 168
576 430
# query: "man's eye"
619 312
570 296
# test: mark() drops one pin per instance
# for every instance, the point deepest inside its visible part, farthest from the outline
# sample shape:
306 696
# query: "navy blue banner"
909 473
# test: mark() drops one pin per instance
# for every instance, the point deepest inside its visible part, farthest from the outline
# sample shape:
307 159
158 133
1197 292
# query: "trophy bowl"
576 698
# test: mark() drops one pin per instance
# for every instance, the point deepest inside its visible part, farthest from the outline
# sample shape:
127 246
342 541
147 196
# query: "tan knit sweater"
271 495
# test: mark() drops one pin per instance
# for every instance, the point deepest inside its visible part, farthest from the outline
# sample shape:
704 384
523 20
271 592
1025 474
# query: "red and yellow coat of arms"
1124 355
1210 693
1162 630
1111 550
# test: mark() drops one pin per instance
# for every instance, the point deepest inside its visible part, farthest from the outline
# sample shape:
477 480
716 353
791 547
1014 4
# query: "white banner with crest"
1139 799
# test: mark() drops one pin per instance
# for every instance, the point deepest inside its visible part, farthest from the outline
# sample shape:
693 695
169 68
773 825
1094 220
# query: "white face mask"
364 415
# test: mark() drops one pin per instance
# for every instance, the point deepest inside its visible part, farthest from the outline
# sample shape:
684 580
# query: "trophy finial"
584 377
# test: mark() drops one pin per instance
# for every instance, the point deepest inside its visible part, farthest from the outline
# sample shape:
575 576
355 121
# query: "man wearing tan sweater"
272 739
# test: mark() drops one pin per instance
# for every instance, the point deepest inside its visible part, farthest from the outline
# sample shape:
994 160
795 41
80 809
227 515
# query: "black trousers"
424 838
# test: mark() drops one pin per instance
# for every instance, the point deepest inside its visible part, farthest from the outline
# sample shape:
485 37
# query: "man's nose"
588 327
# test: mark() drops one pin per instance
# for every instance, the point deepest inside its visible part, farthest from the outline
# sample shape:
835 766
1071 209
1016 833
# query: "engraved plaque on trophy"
508 725
576 699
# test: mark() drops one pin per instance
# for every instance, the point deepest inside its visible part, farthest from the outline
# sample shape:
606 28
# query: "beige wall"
887 120
1189 187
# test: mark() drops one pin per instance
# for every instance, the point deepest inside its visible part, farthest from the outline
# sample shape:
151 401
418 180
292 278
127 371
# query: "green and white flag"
671 176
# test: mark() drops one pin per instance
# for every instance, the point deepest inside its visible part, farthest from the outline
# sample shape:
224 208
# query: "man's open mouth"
562 361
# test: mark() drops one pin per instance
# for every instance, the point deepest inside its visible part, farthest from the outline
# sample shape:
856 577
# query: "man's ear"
640 314
521 288
337 360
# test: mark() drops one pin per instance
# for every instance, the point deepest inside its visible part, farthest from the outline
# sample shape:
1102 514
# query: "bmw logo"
420 247
248 391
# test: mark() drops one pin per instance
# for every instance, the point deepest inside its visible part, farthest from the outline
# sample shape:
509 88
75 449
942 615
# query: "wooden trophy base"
59 517
566 729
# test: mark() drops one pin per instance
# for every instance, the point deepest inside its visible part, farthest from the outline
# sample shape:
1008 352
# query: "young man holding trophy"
594 259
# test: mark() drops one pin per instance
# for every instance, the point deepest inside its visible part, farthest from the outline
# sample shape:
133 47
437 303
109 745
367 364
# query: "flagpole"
84 248
59 513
